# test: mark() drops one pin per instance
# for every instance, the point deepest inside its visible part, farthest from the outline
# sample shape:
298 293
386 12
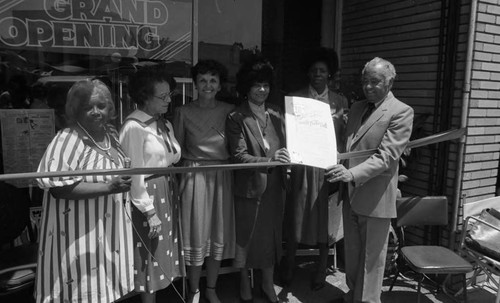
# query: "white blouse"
147 148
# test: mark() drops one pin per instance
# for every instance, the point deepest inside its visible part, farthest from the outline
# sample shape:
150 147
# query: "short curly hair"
141 85
81 92
257 70
209 67
321 54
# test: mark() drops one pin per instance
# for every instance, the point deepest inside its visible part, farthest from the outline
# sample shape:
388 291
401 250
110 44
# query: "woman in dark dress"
306 218
255 133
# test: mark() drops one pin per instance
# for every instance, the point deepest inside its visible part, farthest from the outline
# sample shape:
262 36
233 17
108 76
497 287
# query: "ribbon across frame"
440 137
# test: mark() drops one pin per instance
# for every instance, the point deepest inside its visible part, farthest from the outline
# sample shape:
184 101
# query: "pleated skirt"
207 209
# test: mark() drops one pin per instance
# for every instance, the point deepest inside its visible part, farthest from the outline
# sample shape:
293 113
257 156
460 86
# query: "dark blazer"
246 146
388 129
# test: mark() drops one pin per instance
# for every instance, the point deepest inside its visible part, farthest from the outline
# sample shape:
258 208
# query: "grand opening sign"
156 29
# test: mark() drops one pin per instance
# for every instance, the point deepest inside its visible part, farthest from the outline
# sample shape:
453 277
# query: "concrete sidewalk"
299 291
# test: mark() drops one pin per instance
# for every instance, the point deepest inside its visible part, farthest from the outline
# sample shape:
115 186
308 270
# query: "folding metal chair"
428 259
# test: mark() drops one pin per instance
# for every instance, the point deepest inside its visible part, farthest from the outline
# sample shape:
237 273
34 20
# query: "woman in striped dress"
85 252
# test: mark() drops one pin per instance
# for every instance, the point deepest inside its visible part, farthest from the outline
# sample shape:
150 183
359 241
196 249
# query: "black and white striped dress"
85 252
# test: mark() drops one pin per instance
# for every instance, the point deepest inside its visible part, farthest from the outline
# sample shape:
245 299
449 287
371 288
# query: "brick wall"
483 132
407 34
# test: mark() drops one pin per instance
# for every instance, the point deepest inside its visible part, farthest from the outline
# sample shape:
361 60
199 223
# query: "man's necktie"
368 112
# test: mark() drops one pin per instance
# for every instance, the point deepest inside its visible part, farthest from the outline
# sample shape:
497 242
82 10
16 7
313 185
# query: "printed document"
310 134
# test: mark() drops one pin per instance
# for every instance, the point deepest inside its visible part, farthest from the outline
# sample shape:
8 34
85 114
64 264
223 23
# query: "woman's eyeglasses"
166 96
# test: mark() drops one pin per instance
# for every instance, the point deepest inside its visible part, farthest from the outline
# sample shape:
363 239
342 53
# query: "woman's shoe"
319 280
194 296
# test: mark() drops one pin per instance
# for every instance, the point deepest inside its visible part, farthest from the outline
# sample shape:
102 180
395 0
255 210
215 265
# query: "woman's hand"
281 155
345 115
154 226
120 184
89 190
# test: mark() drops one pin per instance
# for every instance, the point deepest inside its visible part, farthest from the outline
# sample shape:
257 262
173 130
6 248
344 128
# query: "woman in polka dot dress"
149 142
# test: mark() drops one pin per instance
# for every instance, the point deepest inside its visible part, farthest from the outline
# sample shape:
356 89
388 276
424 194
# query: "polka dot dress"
158 261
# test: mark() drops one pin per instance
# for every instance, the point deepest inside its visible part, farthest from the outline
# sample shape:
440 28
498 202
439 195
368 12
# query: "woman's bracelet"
150 213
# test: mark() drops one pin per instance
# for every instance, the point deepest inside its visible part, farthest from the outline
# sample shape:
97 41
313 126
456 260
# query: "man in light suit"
369 187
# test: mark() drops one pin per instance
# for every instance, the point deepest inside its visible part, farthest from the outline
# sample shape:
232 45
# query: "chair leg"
419 287
497 300
251 277
465 287
467 283
184 287
335 256
394 279
443 285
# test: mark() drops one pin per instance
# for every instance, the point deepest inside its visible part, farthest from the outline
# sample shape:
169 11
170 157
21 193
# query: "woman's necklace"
105 149
260 114
263 127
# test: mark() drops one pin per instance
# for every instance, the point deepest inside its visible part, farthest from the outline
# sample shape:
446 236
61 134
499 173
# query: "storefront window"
47 45
106 39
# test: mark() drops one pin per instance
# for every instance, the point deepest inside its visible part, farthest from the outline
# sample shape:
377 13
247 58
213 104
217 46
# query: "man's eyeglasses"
166 96
372 82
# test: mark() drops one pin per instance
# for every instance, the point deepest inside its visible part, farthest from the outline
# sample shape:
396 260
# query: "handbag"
483 238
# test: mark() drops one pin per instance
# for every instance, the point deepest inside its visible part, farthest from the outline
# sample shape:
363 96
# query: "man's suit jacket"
374 188
246 146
